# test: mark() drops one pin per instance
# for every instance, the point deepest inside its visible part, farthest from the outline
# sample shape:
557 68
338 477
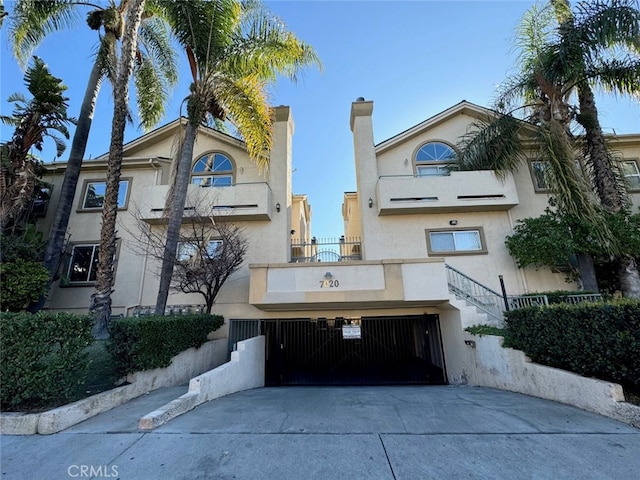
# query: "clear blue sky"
413 59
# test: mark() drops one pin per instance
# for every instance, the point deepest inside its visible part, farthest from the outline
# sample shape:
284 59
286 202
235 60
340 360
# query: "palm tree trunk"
629 277
55 242
606 181
176 213
587 272
604 173
100 305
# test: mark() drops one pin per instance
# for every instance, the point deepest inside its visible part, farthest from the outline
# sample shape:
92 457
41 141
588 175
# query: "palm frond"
617 76
205 27
151 93
571 191
155 38
33 20
492 144
246 104
605 24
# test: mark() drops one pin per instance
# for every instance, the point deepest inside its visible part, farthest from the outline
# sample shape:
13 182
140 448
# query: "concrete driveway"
337 433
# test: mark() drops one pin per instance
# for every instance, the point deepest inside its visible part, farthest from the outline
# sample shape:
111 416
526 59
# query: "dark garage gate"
364 351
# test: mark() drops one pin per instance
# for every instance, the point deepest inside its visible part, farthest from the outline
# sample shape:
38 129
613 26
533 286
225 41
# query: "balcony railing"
325 249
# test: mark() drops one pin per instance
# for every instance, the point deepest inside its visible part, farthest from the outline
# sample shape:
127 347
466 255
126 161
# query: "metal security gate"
367 351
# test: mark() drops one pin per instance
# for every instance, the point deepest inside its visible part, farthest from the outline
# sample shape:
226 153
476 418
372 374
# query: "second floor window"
212 170
632 174
539 174
434 158
94 192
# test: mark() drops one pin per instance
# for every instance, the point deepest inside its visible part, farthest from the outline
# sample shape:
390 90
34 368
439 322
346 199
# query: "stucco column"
280 181
366 167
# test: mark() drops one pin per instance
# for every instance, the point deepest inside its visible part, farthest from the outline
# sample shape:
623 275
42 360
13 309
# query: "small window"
212 170
94 192
632 174
191 249
41 199
83 266
434 158
539 173
451 242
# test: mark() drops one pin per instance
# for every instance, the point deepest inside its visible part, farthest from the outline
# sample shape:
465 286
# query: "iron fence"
326 249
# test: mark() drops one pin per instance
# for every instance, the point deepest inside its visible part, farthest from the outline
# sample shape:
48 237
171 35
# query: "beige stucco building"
381 304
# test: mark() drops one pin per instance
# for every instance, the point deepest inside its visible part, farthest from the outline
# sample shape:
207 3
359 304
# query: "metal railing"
522 301
493 304
144 310
326 249
482 297
587 297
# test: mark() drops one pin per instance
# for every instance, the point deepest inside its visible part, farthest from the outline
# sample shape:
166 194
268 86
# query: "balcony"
455 192
242 201
326 250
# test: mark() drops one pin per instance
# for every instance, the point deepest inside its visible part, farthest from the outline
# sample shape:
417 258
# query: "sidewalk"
337 433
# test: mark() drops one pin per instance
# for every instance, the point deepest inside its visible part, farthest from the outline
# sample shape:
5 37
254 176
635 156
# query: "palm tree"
233 58
545 90
155 73
100 305
599 45
42 116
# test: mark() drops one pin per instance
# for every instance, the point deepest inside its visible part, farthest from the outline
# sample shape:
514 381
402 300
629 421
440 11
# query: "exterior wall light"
278 207
453 222
370 202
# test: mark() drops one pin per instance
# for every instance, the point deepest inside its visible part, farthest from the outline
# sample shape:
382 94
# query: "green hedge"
593 340
41 359
21 282
150 342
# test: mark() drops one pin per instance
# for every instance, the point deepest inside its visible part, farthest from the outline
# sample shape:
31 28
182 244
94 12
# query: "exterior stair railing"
480 296
493 303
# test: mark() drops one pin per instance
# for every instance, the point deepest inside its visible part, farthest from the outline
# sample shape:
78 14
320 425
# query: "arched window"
433 158
212 170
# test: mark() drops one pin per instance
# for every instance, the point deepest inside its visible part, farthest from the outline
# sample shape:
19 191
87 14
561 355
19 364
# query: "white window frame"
454 231
434 167
213 178
635 175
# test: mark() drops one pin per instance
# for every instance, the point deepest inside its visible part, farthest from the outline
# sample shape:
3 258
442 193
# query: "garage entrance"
347 351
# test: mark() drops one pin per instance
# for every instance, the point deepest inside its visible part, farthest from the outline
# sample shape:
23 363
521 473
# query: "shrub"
41 360
149 342
481 330
21 282
595 340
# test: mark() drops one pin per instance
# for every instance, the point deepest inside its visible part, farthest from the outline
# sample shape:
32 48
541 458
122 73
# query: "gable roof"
169 130
462 107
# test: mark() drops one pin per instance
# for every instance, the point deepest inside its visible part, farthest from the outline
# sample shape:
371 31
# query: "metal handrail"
477 294
493 304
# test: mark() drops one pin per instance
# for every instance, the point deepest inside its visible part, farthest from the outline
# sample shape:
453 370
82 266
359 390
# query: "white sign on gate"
351 332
